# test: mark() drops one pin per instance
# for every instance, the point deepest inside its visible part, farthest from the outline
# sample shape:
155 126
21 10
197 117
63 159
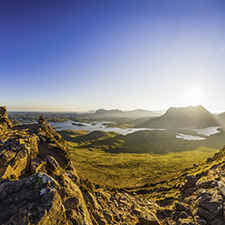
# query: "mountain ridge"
183 117
137 113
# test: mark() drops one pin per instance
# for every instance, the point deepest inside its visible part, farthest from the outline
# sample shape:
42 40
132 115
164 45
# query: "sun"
194 96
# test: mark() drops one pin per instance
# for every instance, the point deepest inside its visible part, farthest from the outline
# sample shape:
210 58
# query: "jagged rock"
183 214
6 157
74 202
121 208
52 161
147 218
203 206
38 199
72 174
191 180
185 221
188 188
33 200
168 221
93 201
18 165
4 120
163 213
38 165
206 184
222 187
180 206
209 205
199 220
208 159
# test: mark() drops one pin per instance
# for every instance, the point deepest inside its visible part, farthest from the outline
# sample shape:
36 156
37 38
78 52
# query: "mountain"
183 117
109 113
221 118
138 113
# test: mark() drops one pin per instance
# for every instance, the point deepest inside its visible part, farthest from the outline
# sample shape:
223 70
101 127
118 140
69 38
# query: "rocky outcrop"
39 184
201 203
41 199
32 200
120 208
4 120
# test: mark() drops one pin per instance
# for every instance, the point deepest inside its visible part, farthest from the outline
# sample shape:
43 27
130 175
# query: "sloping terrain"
39 185
144 141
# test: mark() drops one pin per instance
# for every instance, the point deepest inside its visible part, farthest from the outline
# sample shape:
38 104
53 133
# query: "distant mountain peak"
184 117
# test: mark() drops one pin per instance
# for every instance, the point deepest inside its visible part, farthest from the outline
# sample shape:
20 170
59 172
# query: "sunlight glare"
194 96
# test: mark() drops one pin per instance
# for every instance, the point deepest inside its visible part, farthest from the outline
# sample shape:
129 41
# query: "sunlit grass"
126 170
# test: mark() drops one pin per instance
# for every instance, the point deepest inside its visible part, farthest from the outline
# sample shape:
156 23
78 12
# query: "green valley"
138 159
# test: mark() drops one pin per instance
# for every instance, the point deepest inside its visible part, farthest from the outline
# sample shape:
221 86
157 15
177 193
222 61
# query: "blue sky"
80 55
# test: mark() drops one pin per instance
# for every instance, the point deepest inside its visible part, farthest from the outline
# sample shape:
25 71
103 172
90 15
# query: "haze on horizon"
81 55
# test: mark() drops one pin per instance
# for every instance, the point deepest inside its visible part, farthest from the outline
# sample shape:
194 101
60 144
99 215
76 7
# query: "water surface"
98 125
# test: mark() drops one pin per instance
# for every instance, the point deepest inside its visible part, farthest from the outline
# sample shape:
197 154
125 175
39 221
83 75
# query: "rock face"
121 208
34 199
39 185
4 121
201 202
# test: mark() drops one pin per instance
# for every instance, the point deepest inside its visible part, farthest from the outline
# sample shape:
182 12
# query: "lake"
98 125
189 137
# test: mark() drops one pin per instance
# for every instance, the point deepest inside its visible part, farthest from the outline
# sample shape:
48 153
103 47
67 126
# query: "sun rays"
194 96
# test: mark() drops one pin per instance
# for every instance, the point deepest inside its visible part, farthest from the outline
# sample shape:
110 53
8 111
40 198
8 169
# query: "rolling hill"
138 113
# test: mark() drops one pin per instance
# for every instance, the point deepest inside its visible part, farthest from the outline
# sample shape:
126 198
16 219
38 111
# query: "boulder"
18 165
209 205
73 201
32 200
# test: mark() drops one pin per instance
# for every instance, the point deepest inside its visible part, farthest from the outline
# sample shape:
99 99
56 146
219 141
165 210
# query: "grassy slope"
157 142
127 170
